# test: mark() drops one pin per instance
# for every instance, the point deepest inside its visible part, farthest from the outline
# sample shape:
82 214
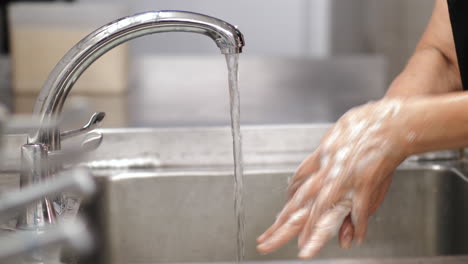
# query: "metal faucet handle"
94 122
76 149
92 141
72 155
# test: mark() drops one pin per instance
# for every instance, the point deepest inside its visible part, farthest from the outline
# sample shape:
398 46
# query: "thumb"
346 233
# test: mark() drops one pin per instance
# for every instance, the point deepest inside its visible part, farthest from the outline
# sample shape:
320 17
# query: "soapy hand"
343 182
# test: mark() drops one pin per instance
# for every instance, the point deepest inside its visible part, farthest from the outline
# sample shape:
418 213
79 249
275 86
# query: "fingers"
328 196
364 207
346 235
284 233
327 226
263 237
362 210
360 215
379 195
370 192
302 198
307 168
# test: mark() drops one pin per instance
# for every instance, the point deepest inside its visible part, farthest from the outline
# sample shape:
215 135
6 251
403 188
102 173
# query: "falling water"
232 63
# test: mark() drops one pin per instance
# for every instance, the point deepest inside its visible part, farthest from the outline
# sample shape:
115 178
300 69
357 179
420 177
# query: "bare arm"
344 181
438 122
440 119
433 68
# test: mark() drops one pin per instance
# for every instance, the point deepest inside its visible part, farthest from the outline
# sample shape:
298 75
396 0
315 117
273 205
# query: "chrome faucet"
46 140
82 55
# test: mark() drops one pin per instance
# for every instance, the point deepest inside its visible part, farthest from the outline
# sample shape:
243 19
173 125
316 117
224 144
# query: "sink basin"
188 216
167 196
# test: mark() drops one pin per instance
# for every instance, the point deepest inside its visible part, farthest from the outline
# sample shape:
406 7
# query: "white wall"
299 27
271 27
395 27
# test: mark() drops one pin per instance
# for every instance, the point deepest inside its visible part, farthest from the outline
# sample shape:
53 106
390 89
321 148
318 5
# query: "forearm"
437 122
428 72
433 69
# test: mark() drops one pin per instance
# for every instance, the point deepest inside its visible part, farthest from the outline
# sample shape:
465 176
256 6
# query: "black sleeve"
458 10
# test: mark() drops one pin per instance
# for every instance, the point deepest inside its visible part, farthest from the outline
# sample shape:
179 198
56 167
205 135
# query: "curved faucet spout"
61 80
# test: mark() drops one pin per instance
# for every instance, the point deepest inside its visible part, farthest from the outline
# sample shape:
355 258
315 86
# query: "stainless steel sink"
167 196
188 216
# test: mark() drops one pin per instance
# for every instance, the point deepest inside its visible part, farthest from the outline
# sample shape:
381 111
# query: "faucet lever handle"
90 142
94 122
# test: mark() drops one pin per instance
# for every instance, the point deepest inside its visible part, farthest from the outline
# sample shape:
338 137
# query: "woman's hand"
343 182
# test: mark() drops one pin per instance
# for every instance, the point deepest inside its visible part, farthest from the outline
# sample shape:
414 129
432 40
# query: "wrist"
411 124
434 123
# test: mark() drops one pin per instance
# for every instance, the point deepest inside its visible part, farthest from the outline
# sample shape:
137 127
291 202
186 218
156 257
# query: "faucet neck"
61 80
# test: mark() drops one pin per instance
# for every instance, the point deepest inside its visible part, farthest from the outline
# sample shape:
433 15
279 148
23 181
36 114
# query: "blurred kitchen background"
304 60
